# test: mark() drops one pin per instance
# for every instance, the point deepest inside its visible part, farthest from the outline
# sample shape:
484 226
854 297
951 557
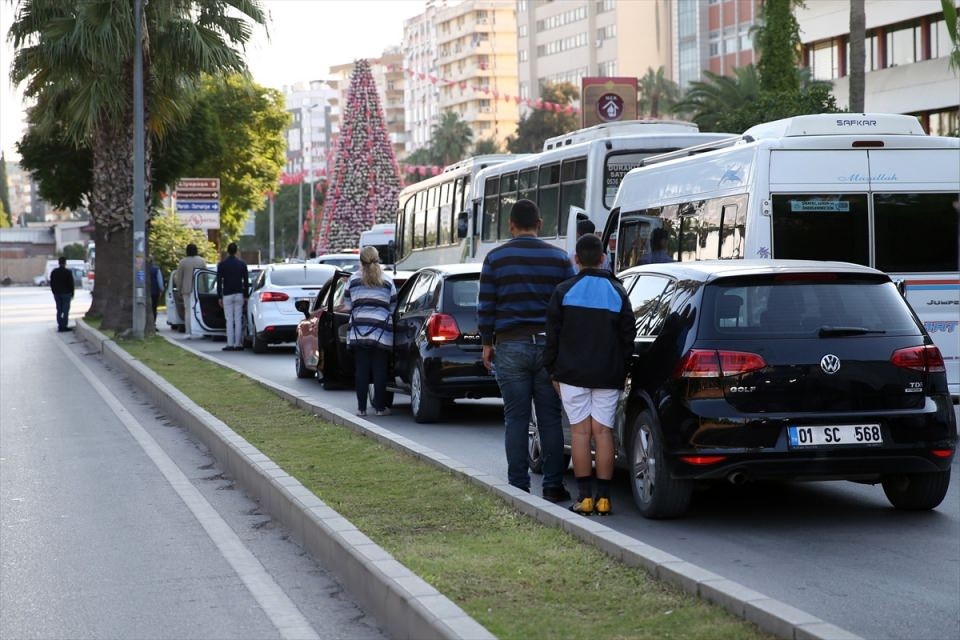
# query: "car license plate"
832 436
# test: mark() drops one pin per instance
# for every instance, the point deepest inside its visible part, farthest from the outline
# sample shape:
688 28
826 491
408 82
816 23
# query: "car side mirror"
303 306
462 225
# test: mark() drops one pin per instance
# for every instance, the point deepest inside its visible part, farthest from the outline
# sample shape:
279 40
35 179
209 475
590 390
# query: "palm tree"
658 94
76 61
857 56
707 100
451 138
486 146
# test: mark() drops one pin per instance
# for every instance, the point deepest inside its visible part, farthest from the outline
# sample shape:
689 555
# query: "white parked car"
272 316
349 262
208 318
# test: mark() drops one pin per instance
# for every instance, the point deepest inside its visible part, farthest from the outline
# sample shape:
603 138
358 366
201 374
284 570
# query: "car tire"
302 370
535 449
327 374
424 405
259 344
916 491
656 494
387 396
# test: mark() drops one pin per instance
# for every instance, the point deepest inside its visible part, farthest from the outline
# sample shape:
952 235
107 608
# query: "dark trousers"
370 365
154 303
63 309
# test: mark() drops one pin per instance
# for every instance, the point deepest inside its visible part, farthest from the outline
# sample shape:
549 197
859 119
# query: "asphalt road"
114 523
837 550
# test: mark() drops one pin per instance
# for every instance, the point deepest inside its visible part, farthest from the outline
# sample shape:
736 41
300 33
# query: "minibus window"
828 226
916 232
490 203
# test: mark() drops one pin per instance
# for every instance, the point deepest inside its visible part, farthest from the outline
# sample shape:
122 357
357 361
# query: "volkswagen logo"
830 363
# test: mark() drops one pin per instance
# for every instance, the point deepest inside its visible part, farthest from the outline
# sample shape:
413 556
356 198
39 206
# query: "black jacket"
590 331
61 280
232 277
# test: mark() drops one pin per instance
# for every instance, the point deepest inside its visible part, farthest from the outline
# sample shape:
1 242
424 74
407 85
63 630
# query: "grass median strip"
517 577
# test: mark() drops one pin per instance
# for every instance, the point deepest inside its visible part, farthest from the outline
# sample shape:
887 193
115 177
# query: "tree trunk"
857 61
112 211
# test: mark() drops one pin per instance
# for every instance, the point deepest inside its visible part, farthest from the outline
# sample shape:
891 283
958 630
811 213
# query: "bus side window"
731 232
710 230
528 184
690 222
419 219
490 190
446 214
508 196
548 199
573 189
431 217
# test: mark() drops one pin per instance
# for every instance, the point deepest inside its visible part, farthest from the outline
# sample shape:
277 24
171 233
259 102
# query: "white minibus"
578 172
871 189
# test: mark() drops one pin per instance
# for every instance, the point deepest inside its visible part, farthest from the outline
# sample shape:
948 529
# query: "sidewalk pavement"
404 604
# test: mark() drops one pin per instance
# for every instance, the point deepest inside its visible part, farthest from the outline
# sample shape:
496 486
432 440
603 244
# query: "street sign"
200 220
608 100
198 202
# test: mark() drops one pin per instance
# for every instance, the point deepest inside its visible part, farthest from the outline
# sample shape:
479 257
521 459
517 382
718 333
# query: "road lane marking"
278 607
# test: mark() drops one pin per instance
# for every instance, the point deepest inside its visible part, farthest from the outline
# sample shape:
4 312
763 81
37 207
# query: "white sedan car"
272 316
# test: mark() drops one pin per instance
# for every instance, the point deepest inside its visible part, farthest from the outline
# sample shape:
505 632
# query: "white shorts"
581 403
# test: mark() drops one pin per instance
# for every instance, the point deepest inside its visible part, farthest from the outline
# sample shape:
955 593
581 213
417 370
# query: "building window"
730 40
945 123
871 60
607 33
606 5
481 16
940 44
524 90
903 45
522 31
522 6
522 55
607 69
824 61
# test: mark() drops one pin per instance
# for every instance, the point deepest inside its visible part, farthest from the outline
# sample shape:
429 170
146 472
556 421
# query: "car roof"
292 266
456 268
711 269
329 256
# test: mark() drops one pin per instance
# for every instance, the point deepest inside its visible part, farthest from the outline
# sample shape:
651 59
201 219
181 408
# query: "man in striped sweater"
516 283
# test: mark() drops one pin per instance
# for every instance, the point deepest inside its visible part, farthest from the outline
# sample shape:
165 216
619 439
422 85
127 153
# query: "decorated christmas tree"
365 178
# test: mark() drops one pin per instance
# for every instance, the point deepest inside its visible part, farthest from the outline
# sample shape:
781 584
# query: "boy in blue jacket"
590 332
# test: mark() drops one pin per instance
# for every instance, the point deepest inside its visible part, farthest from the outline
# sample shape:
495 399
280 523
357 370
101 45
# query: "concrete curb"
403 604
773 616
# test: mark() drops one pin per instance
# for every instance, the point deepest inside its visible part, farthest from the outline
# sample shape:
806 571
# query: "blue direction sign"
193 205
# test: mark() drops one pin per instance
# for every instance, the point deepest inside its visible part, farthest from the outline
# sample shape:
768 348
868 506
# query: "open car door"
337 364
206 306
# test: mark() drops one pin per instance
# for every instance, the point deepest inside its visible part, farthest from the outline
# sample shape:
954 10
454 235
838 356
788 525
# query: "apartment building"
477 62
907 58
567 41
311 129
421 94
388 77
713 35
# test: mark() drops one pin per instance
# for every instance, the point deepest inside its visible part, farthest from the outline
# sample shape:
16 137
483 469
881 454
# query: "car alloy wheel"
534 450
655 492
424 405
302 371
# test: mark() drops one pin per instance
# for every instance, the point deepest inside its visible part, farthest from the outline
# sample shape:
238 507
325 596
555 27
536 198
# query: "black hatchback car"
437 351
791 370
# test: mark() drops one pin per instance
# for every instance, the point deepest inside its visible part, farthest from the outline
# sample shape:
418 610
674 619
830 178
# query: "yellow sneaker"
603 507
583 507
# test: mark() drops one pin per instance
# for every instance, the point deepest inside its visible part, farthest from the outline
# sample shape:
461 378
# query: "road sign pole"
272 243
139 195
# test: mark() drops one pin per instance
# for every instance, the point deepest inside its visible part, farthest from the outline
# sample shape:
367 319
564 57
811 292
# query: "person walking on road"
371 299
590 333
516 282
184 281
233 287
61 284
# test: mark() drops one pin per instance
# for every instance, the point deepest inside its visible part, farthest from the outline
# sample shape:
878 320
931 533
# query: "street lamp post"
308 149
139 320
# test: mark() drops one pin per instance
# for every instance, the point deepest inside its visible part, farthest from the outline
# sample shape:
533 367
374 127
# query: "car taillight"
89 275
703 460
273 296
926 359
442 328
709 363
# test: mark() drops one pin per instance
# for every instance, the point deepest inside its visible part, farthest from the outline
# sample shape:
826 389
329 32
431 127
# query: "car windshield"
299 277
344 264
805 305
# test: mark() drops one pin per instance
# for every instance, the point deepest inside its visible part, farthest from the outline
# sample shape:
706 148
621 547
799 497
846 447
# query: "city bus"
576 173
431 215
871 189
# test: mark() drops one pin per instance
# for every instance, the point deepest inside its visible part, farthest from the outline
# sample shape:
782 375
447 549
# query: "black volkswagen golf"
780 370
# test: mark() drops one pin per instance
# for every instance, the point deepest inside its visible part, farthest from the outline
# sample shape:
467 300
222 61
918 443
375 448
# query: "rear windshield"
800 308
299 277
344 264
460 300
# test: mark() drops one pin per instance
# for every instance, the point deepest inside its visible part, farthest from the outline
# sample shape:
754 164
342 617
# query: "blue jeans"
523 379
63 309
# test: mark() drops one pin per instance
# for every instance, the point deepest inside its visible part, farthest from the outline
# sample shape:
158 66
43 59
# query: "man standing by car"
233 286
516 283
184 280
61 284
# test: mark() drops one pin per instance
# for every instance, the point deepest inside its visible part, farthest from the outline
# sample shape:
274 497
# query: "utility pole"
272 243
139 202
